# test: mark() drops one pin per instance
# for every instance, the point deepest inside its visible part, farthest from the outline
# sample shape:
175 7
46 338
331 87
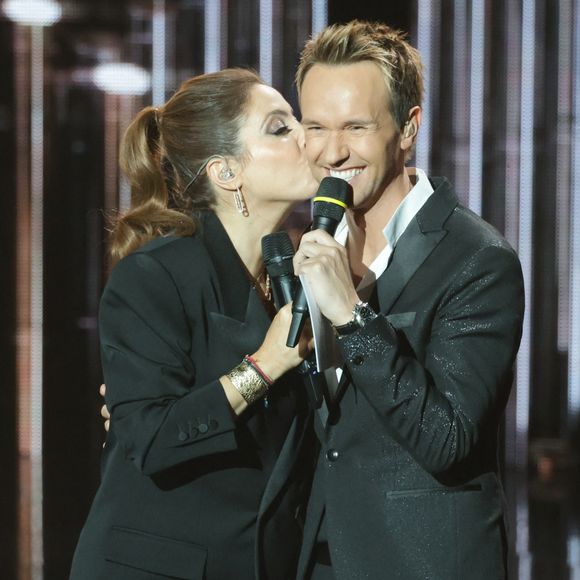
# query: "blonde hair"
360 41
164 150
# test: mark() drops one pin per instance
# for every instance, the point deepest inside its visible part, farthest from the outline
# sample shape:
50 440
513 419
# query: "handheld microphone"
278 251
331 200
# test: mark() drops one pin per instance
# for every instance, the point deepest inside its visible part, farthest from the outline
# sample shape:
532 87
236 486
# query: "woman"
201 469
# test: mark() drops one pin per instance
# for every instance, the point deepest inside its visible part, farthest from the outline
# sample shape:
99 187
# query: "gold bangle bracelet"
248 382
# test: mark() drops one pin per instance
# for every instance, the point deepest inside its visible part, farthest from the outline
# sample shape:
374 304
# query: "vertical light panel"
574 268
525 245
460 117
212 35
266 48
424 45
159 33
563 157
36 295
111 124
319 15
111 157
512 47
476 104
127 109
21 92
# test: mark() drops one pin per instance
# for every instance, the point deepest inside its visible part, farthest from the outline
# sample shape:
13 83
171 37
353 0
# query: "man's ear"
411 128
223 173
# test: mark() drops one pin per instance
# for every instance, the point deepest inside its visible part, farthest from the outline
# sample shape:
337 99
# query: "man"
427 303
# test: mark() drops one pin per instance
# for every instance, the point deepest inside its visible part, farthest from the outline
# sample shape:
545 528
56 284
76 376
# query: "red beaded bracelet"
252 362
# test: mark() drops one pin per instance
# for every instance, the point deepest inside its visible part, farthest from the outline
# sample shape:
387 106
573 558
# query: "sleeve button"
202 428
332 455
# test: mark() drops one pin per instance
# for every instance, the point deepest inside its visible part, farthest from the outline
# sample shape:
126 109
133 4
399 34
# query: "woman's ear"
411 128
223 173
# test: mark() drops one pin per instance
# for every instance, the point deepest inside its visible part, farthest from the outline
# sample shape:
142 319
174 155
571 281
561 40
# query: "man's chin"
364 201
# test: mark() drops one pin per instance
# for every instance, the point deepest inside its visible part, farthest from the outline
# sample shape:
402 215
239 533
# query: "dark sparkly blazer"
407 475
188 491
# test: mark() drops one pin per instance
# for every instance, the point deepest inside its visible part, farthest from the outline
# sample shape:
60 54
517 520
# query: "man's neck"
365 227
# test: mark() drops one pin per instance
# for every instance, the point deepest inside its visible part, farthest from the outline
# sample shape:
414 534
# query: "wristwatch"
361 314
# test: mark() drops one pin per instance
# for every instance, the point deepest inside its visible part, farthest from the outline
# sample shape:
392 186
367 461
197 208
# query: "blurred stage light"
33 12
122 78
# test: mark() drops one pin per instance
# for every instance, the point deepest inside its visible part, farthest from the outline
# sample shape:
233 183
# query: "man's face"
350 132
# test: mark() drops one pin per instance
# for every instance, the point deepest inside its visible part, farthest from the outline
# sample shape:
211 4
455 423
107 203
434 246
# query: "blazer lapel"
234 283
420 238
238 319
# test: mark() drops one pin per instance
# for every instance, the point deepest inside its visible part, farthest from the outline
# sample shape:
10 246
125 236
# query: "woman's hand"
273 356
324 263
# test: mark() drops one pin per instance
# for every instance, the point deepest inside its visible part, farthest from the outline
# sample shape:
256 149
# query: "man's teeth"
346 174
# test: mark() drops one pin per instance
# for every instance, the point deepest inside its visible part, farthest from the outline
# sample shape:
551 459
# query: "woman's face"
275 167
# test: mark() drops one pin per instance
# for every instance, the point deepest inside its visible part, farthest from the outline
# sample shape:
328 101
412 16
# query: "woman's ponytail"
149 216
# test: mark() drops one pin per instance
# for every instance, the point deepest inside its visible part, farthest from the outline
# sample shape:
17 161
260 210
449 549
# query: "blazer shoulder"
179 257
474 232
175 250
157 283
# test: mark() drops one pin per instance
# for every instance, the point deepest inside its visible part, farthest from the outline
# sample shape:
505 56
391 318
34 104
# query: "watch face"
363 312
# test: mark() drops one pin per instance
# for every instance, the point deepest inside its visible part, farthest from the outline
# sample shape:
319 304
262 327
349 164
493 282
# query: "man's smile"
346 174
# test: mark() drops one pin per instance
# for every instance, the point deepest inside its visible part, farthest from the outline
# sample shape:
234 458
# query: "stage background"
500 120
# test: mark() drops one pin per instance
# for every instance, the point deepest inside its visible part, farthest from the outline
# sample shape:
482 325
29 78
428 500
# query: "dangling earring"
240 203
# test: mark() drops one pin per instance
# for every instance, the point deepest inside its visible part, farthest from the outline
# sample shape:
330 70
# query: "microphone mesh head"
277 252
335 188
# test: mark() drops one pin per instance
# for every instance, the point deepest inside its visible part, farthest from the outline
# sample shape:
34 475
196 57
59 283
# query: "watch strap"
361 314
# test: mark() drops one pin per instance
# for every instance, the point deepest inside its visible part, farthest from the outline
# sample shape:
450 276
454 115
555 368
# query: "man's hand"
324 263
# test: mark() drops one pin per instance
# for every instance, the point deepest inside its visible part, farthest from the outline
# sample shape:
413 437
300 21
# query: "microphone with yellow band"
332 198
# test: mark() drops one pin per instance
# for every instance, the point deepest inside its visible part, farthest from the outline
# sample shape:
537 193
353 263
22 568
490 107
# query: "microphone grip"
299 316
296 326
283 288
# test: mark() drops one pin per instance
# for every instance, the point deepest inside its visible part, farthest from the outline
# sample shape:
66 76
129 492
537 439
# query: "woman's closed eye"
279 128
283 130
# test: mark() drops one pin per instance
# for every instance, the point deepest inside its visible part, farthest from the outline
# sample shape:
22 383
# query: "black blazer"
407 473
188 491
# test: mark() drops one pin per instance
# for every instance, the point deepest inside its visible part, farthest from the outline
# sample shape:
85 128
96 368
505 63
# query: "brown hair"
164 148
359 41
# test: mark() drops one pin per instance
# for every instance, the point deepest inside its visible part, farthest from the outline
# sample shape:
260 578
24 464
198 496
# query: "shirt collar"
409 207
